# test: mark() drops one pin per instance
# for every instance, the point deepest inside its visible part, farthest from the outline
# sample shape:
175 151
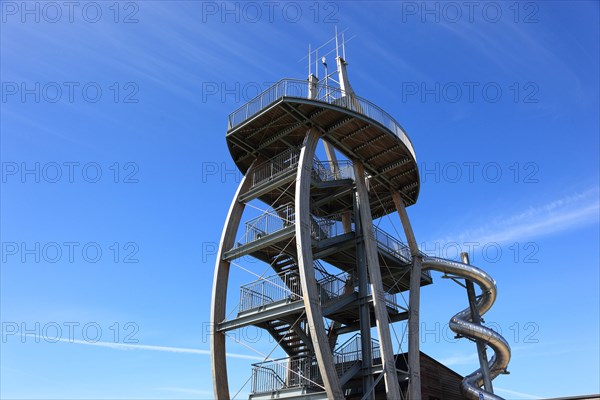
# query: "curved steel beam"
314 314
218 358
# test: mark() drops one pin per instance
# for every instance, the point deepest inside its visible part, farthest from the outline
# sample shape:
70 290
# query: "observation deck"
278 118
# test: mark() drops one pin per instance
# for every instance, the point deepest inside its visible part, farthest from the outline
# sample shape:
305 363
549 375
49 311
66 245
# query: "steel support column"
414 299
218 358
314 314
364 310
381 315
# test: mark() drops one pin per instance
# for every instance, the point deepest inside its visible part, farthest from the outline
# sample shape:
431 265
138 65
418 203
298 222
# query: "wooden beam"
314 314
218 358
414 299
381 315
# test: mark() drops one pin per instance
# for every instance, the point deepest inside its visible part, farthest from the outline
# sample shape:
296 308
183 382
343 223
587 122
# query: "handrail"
322 228
259 385
323 171
392 244
264 296
286 286
302 370
347 342
273 167
296 88
269 290
332 171
272 371
282 217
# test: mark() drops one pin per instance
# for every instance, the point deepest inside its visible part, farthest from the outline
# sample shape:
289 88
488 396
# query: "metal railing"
321 228
322 170
264 291
395 247
269 170
327 94
391 300
269 222
286 287
333 171
327 227
351 350
392 245
284 216
303 371
299 371
331 286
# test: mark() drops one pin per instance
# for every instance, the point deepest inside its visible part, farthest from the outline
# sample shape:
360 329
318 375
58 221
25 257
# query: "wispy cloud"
132 346
460 359
556 216
518 395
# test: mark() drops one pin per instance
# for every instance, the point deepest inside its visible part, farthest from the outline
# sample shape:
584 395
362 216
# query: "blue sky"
110 237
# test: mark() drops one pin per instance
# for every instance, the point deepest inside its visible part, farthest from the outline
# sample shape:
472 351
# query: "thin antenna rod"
337 54
323 45
309 61
343 47
317 63
332 50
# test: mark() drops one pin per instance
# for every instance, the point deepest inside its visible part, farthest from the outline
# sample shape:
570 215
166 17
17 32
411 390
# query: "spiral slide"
462 324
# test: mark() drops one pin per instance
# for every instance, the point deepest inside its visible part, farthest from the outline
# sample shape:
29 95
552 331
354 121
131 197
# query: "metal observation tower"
332 277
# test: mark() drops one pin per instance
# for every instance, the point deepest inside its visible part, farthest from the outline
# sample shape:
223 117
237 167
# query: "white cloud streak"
132 346
463 359
517 395
556 216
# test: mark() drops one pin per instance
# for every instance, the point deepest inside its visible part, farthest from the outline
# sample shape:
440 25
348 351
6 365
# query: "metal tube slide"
462 324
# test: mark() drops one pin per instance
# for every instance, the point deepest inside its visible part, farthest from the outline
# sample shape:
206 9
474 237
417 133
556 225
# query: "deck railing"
321 228
269 222
326 227
303 371
274 167
392 245
286 288
351 350
295 88
395 247
323 171
299 371
284 216
269 290
331 286
333 171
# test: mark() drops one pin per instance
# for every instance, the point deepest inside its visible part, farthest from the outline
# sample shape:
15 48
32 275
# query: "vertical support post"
381 315
345 86
314 314
218 357
312 86
329 149
332 158
414 299
363 308
347 221
481 352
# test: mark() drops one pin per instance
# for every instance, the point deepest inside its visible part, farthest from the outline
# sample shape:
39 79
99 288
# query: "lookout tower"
331 272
